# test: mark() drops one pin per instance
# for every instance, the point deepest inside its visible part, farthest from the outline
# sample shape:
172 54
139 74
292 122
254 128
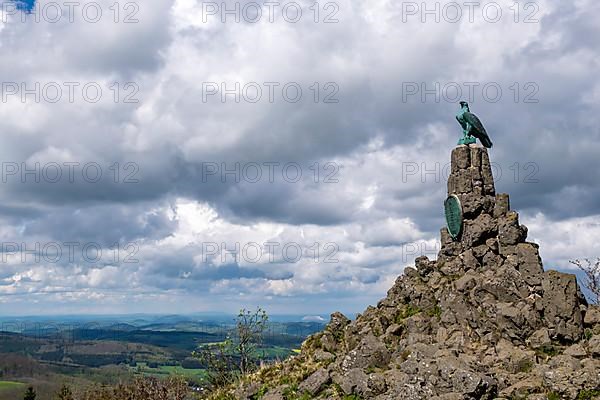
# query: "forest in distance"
51 354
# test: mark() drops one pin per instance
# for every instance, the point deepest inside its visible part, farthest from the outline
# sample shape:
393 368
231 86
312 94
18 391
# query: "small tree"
65 393
224 362
249 328
591 269
30 394
219 362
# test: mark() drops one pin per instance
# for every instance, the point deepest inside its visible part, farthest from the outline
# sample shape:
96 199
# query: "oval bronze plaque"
454 217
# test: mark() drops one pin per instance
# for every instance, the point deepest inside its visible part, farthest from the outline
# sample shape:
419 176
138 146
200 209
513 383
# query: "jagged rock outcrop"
483 321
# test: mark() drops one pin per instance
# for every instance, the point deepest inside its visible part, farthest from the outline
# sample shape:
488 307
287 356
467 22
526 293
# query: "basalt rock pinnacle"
483 321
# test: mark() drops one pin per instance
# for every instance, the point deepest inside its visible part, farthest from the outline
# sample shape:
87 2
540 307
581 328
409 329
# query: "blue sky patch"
24 5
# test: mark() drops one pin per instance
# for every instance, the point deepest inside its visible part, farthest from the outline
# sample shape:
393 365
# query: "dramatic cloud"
157 157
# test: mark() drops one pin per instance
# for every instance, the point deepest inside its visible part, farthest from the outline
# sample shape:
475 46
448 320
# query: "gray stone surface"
316 382
561 303
592 316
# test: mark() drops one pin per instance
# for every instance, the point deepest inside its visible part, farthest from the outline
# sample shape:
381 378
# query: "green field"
107 356
177 370
169 370
10 385
276 352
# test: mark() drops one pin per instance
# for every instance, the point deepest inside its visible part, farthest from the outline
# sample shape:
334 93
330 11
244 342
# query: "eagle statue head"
464 104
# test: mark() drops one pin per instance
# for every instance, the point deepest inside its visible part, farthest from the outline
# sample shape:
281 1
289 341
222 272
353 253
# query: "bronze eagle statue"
472 127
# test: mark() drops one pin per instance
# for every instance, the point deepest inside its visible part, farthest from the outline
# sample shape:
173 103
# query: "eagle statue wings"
472 127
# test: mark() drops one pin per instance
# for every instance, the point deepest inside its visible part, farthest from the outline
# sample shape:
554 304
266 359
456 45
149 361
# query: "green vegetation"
55 362
404 355
139 389
262 391
548 350
588 394
274 352
65 393
192 375
525 366
30 394
10 385
434 311
292 393
237 356
408 311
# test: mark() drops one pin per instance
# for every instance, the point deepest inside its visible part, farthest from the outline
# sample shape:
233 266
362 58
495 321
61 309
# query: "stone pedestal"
493 240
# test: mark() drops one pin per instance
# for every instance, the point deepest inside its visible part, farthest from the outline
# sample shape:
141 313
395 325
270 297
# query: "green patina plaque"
454 216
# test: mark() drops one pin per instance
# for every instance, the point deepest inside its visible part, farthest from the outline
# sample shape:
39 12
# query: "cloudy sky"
144 142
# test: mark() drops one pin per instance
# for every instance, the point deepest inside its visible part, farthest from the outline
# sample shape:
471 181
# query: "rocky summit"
483 321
